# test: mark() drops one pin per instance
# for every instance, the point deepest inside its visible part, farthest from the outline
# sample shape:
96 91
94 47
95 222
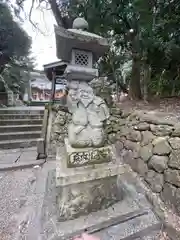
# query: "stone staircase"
20 127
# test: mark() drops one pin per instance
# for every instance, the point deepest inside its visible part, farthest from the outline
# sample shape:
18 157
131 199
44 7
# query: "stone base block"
70 176
87 189
77 157
80 199
130 218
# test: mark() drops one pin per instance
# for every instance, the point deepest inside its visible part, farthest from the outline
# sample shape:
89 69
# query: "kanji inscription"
94 156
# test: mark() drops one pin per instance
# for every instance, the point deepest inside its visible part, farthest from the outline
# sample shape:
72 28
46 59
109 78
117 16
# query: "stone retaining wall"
150 143
58 120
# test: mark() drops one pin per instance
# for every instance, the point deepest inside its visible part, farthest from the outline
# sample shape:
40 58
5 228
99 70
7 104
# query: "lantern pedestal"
86 181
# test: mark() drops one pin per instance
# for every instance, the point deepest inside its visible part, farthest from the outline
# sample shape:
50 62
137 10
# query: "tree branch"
56 12
64 21
30 12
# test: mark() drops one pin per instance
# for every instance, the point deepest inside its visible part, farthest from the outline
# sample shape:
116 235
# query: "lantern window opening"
82 58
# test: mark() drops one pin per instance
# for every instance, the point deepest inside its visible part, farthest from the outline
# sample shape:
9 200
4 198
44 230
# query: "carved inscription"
90 157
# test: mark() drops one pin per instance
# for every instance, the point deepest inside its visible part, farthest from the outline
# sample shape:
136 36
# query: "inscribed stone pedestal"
87 156
83 188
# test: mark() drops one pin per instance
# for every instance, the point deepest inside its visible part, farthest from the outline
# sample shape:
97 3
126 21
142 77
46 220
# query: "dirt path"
168 105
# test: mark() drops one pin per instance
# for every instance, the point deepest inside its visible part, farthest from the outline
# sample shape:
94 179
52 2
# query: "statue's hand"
78 129
80 116
104 112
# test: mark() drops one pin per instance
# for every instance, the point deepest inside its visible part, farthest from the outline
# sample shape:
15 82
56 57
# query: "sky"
43 38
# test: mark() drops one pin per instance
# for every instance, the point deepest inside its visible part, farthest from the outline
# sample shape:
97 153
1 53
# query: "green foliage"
146 32
14 49
155 39
14 41
14 74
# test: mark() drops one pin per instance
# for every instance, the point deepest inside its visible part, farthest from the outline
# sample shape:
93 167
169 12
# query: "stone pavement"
19 108
19 158
21 199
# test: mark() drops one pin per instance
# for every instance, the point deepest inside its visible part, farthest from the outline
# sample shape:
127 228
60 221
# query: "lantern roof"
79 38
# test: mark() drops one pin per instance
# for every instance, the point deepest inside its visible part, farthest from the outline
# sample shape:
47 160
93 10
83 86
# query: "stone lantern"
87 177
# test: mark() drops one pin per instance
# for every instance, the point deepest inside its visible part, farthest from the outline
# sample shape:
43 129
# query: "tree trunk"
134 85
159 87
173 91
117 91
146 80
1 69
3 61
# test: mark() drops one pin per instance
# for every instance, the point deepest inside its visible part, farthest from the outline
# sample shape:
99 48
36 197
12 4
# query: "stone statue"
89 113
86 180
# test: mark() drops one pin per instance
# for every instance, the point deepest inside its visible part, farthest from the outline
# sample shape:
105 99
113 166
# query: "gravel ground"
21 197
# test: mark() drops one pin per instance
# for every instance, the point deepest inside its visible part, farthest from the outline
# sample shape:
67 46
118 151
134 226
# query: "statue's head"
86 94
73 95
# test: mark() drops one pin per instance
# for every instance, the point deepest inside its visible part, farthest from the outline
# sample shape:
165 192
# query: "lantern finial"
80 23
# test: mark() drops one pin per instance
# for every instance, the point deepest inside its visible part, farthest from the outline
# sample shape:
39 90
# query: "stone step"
21 116
20 165
20 135
15 144
21 111
20 128
136 228
10 122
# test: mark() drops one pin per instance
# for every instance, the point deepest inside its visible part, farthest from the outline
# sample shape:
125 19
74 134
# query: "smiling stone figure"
89 114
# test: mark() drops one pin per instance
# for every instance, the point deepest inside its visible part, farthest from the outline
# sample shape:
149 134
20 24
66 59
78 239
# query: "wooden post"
53 85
